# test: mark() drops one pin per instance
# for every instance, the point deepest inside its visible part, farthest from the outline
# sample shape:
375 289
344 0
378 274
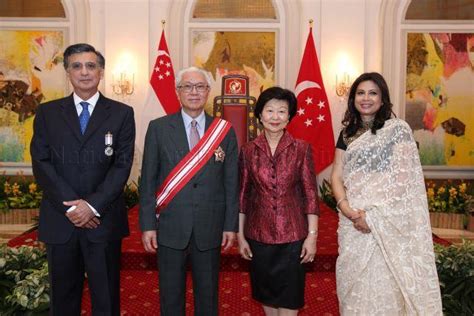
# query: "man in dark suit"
203 215
82 152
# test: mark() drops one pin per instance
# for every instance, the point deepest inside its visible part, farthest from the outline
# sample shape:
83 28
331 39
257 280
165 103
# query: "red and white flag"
312 122
162 78
162 98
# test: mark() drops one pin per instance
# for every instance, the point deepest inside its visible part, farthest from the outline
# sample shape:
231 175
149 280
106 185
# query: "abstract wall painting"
440 97
31 72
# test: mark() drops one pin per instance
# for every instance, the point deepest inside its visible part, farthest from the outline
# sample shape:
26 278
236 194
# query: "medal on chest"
109 151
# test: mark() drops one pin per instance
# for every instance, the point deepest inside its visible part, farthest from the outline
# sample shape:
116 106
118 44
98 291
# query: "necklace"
365 126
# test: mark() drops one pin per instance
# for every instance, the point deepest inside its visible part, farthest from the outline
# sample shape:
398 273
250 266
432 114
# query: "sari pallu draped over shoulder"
391 270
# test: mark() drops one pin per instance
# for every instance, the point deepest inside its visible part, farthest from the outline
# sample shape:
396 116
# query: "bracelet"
339 201
313 232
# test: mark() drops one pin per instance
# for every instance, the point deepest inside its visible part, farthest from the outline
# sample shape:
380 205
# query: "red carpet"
139 281
140 294
135 258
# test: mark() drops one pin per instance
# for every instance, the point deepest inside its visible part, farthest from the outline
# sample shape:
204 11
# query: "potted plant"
455 265
131 194
326 194
20 198
448 204
24 284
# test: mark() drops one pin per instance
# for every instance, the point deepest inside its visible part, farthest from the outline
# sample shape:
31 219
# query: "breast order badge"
219 154
109 151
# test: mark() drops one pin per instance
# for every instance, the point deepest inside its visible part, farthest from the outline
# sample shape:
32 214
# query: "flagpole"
314 114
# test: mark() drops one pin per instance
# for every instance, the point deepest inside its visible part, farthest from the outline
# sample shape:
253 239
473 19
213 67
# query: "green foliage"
19 192
31 293
449 197
455 266
131 194
325 193
24 284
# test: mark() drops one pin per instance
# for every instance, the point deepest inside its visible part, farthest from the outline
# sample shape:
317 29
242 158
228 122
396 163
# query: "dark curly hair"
276 93
352 120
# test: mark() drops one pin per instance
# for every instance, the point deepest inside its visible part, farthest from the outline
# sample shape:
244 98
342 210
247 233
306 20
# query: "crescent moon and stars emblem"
307 102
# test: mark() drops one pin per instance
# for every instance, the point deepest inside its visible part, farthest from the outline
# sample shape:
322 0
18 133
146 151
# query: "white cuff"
93 210
72 208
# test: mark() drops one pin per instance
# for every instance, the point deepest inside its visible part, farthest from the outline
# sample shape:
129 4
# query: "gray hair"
180 74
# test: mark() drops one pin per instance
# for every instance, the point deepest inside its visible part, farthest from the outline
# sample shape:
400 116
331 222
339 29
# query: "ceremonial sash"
191 163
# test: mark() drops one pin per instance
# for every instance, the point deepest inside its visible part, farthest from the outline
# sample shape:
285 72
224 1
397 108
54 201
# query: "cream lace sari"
390 271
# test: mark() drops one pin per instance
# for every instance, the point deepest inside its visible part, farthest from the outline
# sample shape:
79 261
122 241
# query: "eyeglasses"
78 66
200 87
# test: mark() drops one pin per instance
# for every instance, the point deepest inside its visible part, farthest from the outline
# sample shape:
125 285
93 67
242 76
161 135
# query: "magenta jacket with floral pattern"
277 192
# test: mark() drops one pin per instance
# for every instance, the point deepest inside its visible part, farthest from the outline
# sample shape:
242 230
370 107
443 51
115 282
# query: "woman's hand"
361 224
308 250
244 248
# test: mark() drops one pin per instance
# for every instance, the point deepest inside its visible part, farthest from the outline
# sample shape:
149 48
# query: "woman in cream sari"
386 264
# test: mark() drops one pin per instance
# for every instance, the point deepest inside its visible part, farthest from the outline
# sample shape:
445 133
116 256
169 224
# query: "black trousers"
172 279
67 264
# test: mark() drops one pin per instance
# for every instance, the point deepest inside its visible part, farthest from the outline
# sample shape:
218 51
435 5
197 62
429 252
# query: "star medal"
219 154
109 151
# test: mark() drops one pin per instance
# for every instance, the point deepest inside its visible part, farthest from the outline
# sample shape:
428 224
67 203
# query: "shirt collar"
200 119
285 141
92 100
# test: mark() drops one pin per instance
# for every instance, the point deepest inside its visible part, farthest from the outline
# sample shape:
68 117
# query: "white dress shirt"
201 124
92 103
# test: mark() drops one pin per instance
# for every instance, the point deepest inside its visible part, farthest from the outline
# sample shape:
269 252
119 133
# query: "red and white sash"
191 163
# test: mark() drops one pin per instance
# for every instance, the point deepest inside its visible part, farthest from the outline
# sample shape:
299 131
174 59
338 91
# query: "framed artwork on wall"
31 72
439 98
249 53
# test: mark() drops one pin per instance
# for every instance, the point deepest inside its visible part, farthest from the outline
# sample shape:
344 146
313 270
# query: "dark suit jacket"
206 206
70 166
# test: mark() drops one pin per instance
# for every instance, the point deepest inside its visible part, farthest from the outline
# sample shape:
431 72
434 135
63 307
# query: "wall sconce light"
343 85
123 75
123 84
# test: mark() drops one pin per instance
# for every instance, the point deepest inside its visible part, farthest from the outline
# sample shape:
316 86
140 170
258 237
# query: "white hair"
180 74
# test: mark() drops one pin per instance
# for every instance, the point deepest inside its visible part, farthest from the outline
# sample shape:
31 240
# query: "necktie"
193 135
84 117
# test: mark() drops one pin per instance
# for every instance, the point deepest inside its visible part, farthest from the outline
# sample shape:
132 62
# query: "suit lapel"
178 133
179 138
209 120
69 114
99 115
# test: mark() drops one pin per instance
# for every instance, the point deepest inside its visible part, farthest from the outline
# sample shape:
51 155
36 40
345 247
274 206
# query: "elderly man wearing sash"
190 179
386 264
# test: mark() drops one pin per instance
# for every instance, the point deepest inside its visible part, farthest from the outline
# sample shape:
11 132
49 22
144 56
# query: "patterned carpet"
139 276
139 281
140 294
135 258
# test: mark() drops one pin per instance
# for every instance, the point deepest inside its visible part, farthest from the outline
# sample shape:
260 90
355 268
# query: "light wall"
120 30
343 30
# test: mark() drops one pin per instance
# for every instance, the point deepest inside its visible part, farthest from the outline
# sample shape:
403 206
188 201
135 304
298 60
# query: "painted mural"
440 97
30 73
245 53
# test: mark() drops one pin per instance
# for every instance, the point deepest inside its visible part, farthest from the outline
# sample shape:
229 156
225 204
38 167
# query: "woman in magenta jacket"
278 221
